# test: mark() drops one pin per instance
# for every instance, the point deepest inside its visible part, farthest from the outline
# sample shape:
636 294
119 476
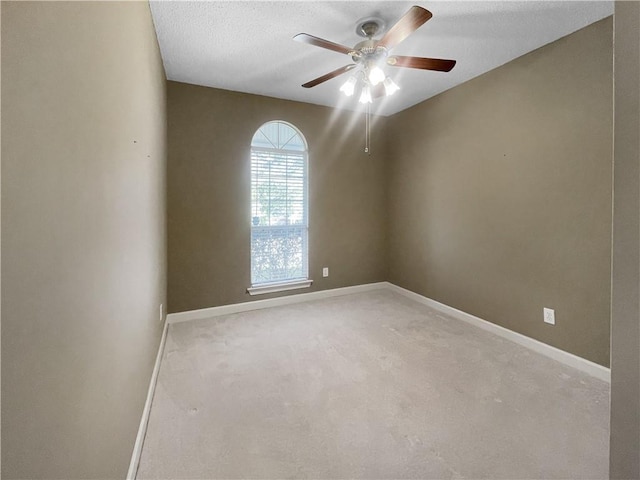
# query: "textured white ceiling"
247 46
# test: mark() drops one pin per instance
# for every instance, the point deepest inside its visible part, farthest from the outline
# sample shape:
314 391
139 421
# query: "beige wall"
83 233
500 194
499 204
209 139
0 245
625 322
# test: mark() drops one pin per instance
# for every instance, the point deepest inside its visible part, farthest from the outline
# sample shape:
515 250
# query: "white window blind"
279 205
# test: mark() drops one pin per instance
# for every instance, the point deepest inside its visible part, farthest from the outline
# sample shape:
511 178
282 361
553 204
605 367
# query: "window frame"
293 283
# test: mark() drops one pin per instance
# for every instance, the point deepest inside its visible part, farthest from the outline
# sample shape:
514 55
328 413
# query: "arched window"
279 209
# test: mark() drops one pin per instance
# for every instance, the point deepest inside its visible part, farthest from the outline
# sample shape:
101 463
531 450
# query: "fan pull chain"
367 130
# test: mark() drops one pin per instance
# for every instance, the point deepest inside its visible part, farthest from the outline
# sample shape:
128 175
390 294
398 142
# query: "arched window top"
279 135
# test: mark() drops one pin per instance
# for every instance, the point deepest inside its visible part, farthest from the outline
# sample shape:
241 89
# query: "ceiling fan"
371 54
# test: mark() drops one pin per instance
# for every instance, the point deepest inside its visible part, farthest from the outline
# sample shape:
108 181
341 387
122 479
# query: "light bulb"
390 87
349 86
365 96
376 75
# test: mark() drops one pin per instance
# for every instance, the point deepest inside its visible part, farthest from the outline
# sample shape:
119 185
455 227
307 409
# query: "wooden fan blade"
422 63
329 76
409 23
319 42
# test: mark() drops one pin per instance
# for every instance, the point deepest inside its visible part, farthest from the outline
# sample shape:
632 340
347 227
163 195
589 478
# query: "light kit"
370 55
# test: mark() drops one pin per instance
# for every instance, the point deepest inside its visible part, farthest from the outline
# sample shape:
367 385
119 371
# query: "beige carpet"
371 385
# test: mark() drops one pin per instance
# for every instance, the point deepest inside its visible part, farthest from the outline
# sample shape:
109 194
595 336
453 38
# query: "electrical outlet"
325 272
549 316
161 312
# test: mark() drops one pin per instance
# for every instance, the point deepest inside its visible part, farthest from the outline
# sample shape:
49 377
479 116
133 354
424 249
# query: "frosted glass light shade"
390 87
365 96
349 86
376 75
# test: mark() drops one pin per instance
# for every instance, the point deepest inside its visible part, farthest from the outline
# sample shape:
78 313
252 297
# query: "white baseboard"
586 366
271 302
567 358
142 429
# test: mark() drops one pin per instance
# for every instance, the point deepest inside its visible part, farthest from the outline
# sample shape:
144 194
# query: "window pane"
278 204
278 189
278 254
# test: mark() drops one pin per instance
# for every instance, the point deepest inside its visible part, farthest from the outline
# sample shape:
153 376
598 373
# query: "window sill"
279 287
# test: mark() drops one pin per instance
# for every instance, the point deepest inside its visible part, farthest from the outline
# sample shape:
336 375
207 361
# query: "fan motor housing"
368 50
